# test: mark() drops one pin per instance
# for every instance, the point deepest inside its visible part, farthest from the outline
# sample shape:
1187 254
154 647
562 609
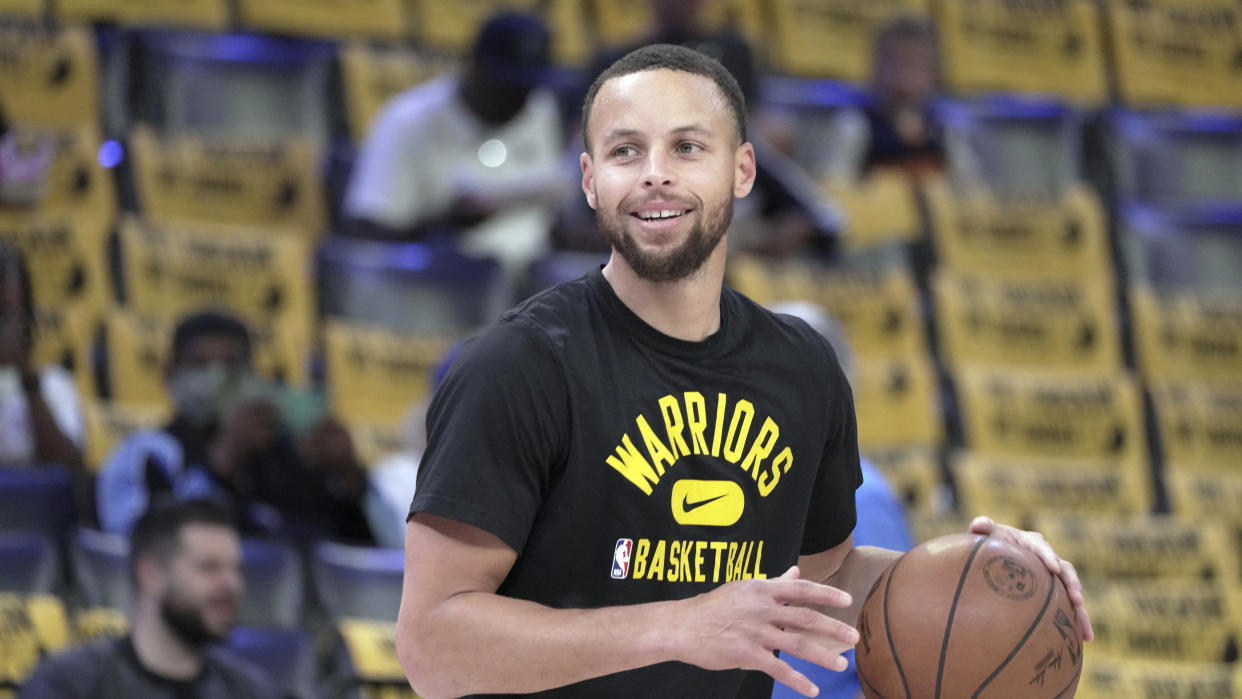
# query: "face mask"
197 391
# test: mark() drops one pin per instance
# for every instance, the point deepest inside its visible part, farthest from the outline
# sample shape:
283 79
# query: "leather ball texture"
968 616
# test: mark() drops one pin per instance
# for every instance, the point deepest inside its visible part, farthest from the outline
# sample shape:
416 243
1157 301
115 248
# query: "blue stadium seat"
429 288
274 585
38 498
1189 248
359 582
287 655
1172 158
1018 146
28 563
101 565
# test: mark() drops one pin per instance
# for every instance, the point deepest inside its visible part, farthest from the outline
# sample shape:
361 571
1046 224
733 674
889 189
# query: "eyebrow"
617 134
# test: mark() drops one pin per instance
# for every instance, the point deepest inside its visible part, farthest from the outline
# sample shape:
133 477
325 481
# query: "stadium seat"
409 287
830 38
28 562
203 14
38 498
287 655
34 625
387 19
274 585
101 566
1176 158
1016 146
1172 53
55 69
898 403
234 84
1046 49
358 582
1194 248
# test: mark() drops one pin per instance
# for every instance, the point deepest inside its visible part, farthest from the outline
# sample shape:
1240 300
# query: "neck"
159 649
687 309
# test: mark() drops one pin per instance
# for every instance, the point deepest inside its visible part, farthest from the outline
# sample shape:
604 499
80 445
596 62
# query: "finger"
806 648
982 525
784 673
1069 575
825 629
1037 544
791 574
806 592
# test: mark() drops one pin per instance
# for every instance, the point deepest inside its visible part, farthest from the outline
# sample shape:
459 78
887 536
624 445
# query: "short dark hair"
13 262
903 27
158 531
208 323
670 57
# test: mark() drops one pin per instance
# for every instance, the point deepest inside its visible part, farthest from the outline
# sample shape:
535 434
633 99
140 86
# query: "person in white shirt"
477 155
40 412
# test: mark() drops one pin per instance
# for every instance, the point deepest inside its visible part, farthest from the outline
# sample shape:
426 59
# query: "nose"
657 172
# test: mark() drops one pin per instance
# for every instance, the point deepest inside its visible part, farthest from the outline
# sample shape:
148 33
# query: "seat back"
101 562
28 562
37 499
358 582
274 585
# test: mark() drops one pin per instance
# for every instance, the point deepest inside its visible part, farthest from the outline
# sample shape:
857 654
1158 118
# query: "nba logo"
621 559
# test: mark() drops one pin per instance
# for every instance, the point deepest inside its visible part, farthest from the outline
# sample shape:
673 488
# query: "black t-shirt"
109 668
625 466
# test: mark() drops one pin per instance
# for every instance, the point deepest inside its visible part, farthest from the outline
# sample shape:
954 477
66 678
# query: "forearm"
856 575
477 642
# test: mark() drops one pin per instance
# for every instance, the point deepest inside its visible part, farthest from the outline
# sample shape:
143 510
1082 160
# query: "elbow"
426 674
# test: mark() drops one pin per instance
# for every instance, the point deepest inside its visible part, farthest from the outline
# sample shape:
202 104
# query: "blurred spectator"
881 517
785 213
395 477
896 127
230 440
40 412
476 154
185 565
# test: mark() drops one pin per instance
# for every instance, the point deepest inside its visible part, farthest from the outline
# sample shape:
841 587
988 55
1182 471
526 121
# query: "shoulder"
530 339
75 672
781 327
417 106
241 673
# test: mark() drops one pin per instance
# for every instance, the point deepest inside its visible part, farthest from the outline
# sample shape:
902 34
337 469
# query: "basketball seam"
870 686
1068 685
892 646
1047 601
948 627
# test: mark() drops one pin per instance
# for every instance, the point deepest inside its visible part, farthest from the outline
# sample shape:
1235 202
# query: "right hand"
248 430
740 624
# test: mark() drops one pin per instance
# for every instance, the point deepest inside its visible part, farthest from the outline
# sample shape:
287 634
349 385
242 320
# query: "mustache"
632 203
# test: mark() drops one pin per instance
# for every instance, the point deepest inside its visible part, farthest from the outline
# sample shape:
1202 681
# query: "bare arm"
51 444
851 568
456 636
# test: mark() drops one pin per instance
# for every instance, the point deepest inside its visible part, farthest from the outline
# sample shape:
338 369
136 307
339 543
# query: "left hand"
1037 544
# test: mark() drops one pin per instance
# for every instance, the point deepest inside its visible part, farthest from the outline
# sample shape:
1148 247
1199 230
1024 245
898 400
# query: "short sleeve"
384 186
496 428
833 513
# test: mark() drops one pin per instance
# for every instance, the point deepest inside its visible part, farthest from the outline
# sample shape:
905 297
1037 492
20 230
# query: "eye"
624 151
688 147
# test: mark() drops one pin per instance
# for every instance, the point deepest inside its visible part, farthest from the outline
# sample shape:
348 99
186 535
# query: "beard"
678 264
188 623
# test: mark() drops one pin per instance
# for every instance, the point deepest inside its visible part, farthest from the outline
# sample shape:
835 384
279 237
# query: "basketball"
967 615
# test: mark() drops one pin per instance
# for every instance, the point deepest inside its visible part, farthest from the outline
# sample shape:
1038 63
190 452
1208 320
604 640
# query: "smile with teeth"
657 215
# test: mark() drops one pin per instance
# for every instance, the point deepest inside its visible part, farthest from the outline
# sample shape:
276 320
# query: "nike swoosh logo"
687 506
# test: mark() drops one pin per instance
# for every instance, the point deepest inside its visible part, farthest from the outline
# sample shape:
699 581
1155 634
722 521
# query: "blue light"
111 153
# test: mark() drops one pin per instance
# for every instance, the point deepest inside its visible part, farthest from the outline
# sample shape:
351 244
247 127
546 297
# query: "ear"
150 574
588 179
743 170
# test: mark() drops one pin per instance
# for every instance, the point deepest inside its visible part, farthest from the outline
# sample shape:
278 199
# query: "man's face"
200 586
663 168
907 70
